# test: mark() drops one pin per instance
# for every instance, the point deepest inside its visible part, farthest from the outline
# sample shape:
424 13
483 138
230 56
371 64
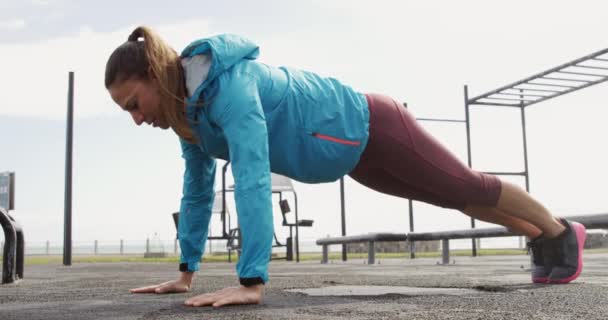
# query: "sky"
127 179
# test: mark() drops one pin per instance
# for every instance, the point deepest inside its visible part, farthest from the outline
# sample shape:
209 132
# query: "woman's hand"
174 286
227 296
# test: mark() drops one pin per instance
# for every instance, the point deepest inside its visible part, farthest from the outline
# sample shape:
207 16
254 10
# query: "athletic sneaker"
565 253
540 269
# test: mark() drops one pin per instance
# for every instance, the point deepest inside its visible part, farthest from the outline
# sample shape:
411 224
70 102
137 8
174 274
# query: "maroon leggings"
402 159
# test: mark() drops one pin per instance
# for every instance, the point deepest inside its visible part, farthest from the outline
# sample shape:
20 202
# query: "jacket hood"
225 50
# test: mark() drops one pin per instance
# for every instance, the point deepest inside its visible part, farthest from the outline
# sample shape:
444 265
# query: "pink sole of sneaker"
540 280
581 235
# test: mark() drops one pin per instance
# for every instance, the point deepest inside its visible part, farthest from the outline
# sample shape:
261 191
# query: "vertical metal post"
295 196
371 253
523 129
223 215
175 246
122 247
469 160
96 247
412 244
147 245
67 227
48 248
343 217
525 140
445 249
325 254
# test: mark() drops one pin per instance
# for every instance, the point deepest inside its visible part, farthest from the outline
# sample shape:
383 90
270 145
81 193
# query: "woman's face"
141 99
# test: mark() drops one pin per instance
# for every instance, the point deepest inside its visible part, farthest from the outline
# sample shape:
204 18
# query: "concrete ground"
498 288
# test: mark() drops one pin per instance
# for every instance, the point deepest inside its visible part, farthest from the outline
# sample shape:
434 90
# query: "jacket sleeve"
239 114
196 205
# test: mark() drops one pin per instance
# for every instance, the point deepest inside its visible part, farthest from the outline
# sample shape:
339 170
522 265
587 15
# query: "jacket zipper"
334 139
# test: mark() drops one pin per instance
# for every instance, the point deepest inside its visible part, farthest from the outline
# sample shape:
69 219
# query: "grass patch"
219 257
223 257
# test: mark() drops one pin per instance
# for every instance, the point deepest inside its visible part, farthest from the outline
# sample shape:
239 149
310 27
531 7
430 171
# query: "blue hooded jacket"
261 118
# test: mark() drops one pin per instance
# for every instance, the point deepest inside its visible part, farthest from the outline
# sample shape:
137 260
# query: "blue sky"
127 178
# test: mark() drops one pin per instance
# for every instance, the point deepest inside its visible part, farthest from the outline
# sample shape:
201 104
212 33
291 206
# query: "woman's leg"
517 203
403 159
494 215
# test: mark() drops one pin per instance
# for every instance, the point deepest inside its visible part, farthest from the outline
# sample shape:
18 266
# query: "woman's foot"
564 253
540 269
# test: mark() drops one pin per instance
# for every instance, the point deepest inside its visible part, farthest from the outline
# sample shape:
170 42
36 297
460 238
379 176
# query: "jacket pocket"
335 139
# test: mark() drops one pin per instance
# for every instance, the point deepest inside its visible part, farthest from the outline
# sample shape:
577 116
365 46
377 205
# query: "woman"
224 104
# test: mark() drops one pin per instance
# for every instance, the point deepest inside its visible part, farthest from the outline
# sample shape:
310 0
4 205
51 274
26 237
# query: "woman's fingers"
208 298
231 299
226 296
165 287
148 289
202 300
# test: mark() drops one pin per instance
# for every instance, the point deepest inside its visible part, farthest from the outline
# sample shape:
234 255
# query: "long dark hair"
145 56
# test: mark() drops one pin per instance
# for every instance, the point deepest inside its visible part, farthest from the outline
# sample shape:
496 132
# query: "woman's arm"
238 111
196 205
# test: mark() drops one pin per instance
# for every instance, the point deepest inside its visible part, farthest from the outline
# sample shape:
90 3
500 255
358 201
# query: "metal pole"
468 123
523 129
223 215
295 196
412 245
67 227
343 217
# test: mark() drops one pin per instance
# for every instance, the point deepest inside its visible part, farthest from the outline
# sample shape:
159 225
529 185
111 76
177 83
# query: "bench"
14 245
370 238
595 221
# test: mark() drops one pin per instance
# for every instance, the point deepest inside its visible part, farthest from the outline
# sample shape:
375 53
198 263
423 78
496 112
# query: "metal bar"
505 173
539 90
591 67
519 95
574 62
599 59
593 221
371 253
412 246
568 91
325 258
525 140
564 79
343 211
223 214
440 120
583 74
67 215
20 254
9 258
494 104
445 251
469 158
388 237
506 99
549 85
295 196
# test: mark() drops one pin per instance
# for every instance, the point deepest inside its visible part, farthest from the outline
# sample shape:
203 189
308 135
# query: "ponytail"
145 56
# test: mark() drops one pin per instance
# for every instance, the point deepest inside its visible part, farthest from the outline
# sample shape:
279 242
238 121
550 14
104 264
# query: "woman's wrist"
186 277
